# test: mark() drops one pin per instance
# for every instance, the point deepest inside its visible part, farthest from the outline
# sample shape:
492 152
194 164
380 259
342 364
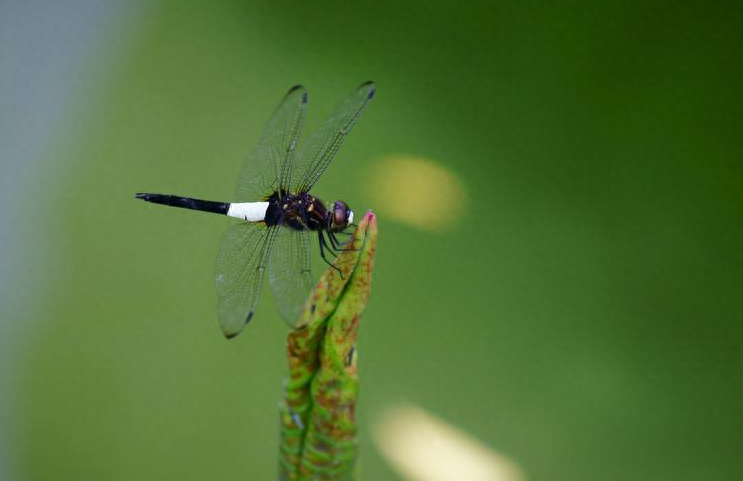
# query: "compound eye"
339 215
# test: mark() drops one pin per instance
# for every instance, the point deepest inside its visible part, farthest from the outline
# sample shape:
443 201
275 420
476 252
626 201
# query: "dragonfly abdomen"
249 211
185 202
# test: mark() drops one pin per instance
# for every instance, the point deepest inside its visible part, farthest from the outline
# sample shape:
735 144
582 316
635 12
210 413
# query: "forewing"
318 150
266 165
239 272
289 272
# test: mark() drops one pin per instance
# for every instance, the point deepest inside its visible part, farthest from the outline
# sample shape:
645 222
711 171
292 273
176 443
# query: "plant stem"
318 421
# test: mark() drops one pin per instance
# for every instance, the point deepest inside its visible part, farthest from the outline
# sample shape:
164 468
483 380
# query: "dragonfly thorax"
307 212
297 211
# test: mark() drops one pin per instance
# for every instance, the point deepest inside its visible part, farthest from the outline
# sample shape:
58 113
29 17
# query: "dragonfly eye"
340 215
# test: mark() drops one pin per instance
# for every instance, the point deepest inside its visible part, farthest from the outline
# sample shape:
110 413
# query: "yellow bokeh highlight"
422 447
417 191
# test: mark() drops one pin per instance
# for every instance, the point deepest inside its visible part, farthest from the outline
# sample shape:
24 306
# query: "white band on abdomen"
250 211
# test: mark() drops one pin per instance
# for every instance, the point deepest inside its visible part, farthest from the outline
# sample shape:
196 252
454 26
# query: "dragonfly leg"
337 245
323 246
348 239
333 241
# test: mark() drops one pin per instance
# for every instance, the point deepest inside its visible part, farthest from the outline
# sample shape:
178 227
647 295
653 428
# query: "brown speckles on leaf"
322 387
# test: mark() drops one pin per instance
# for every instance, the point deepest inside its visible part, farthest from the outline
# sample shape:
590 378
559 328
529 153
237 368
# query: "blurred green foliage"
582 317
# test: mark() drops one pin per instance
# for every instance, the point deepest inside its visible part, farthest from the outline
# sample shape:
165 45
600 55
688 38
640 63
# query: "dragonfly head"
340 217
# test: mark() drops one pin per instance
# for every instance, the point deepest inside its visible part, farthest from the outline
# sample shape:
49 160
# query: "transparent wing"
266 165
318 150
289 272
239 272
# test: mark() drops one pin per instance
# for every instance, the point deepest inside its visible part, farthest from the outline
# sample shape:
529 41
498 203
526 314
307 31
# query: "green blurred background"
582 315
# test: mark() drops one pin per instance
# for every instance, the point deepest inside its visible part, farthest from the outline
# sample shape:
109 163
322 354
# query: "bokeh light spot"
421 447
417 191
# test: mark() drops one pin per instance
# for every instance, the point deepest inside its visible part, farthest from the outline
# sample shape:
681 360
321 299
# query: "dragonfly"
278 212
